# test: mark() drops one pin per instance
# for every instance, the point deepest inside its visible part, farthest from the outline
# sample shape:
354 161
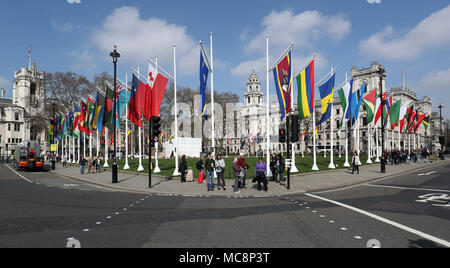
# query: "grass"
304 165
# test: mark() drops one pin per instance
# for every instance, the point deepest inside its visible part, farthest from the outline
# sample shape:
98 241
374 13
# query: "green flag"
107 122
395 114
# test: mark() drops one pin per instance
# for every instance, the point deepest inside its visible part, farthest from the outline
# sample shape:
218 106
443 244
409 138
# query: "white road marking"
344 229
331 221
86 230
314 211
307 207
358 237
117 213
322 216
395 224
19 174
109 217
407 188
98 223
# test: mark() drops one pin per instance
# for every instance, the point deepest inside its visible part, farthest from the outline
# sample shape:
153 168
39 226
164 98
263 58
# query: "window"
16 127
17 116
33 89
9 127
248 100
9 140
0 138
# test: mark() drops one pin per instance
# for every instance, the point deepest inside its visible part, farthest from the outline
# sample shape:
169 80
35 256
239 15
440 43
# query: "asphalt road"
40 209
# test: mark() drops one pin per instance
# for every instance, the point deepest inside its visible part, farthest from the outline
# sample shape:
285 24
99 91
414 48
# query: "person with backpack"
183 168
220 171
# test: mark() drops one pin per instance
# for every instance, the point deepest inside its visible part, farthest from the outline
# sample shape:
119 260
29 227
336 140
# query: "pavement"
406 210
303 183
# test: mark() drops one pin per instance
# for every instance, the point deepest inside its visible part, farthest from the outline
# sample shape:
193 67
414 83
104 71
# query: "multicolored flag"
137 101
420 119
99 111
356 103
305 85
157 84
402 117
283 84
426 122
395 114
109 105
90 114
369 104
326 94
345 94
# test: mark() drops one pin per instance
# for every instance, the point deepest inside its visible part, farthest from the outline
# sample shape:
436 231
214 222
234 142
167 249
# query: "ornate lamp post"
383 103
115 56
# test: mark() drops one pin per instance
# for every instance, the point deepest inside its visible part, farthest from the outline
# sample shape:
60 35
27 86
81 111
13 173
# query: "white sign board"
190 147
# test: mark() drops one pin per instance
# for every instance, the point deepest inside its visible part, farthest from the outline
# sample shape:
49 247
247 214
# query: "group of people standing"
216 165
93 165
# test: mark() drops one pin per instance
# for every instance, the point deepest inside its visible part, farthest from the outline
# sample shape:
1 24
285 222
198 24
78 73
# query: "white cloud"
434 31
85 60
138 38
66 27
302 29
436 85
74 1
4 83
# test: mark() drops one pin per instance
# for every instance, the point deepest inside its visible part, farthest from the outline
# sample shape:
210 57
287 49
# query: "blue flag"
203 80
356 104
122 100
326 94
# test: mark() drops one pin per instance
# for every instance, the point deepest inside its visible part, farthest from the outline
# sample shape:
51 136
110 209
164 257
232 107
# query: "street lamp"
115 56
383 103
53 102
441 137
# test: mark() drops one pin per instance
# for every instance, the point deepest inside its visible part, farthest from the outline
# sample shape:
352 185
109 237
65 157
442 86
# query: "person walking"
64 162
220 171
200 165
273 166
183 168
261 174
210 166
242 165
236 173
82 164
91 165
355 162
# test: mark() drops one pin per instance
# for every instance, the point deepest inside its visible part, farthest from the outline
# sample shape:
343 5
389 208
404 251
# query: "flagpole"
140 168
377 160
98 144
78 141
175 172
212 93
346 164
269 172
106 147
157 169
314 167
293 167
84 144
90 145
126 167
68 149
331 165
73 151
369 159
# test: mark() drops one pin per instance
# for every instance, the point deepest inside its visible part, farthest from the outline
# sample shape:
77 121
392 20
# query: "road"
40 209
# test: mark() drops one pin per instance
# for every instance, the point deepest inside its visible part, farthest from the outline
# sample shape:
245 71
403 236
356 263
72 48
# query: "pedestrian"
273 166
183 168
200 165
280 168
210 165
64 160
236 173
97 164
243 166
220 171
91 165
355 162
82 164
261 174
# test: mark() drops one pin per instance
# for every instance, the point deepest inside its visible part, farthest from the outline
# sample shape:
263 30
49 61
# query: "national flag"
369 103
157 84
82 123
76 116
387 111
283 84
420 119
326 94
305 85
99 112
109 105
378 108
426 122
204 70
90 114
122 100
413 121
395 114
357 106
345 94
136 103
402 117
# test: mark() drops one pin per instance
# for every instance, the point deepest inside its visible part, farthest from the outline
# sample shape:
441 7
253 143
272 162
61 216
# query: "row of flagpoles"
136 101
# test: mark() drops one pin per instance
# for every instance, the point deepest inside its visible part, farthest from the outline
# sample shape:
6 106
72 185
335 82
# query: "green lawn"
304 165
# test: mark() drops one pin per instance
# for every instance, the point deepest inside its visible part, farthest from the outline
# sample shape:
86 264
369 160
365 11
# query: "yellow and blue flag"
326 94
305 85
204 70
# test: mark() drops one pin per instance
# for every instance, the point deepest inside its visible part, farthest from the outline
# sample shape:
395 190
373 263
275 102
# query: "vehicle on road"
27 155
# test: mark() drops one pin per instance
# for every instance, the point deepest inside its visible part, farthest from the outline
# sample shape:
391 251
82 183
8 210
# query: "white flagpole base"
269 173
331 166
106 164
176 173
369 161
140 168
315 167
346 164
126 166
157 170
294 169
377 160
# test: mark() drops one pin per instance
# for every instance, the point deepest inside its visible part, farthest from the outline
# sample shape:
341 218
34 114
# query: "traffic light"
156 131
282 135
295 134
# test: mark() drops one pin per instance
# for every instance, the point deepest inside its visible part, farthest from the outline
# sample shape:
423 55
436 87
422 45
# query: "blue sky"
414 35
